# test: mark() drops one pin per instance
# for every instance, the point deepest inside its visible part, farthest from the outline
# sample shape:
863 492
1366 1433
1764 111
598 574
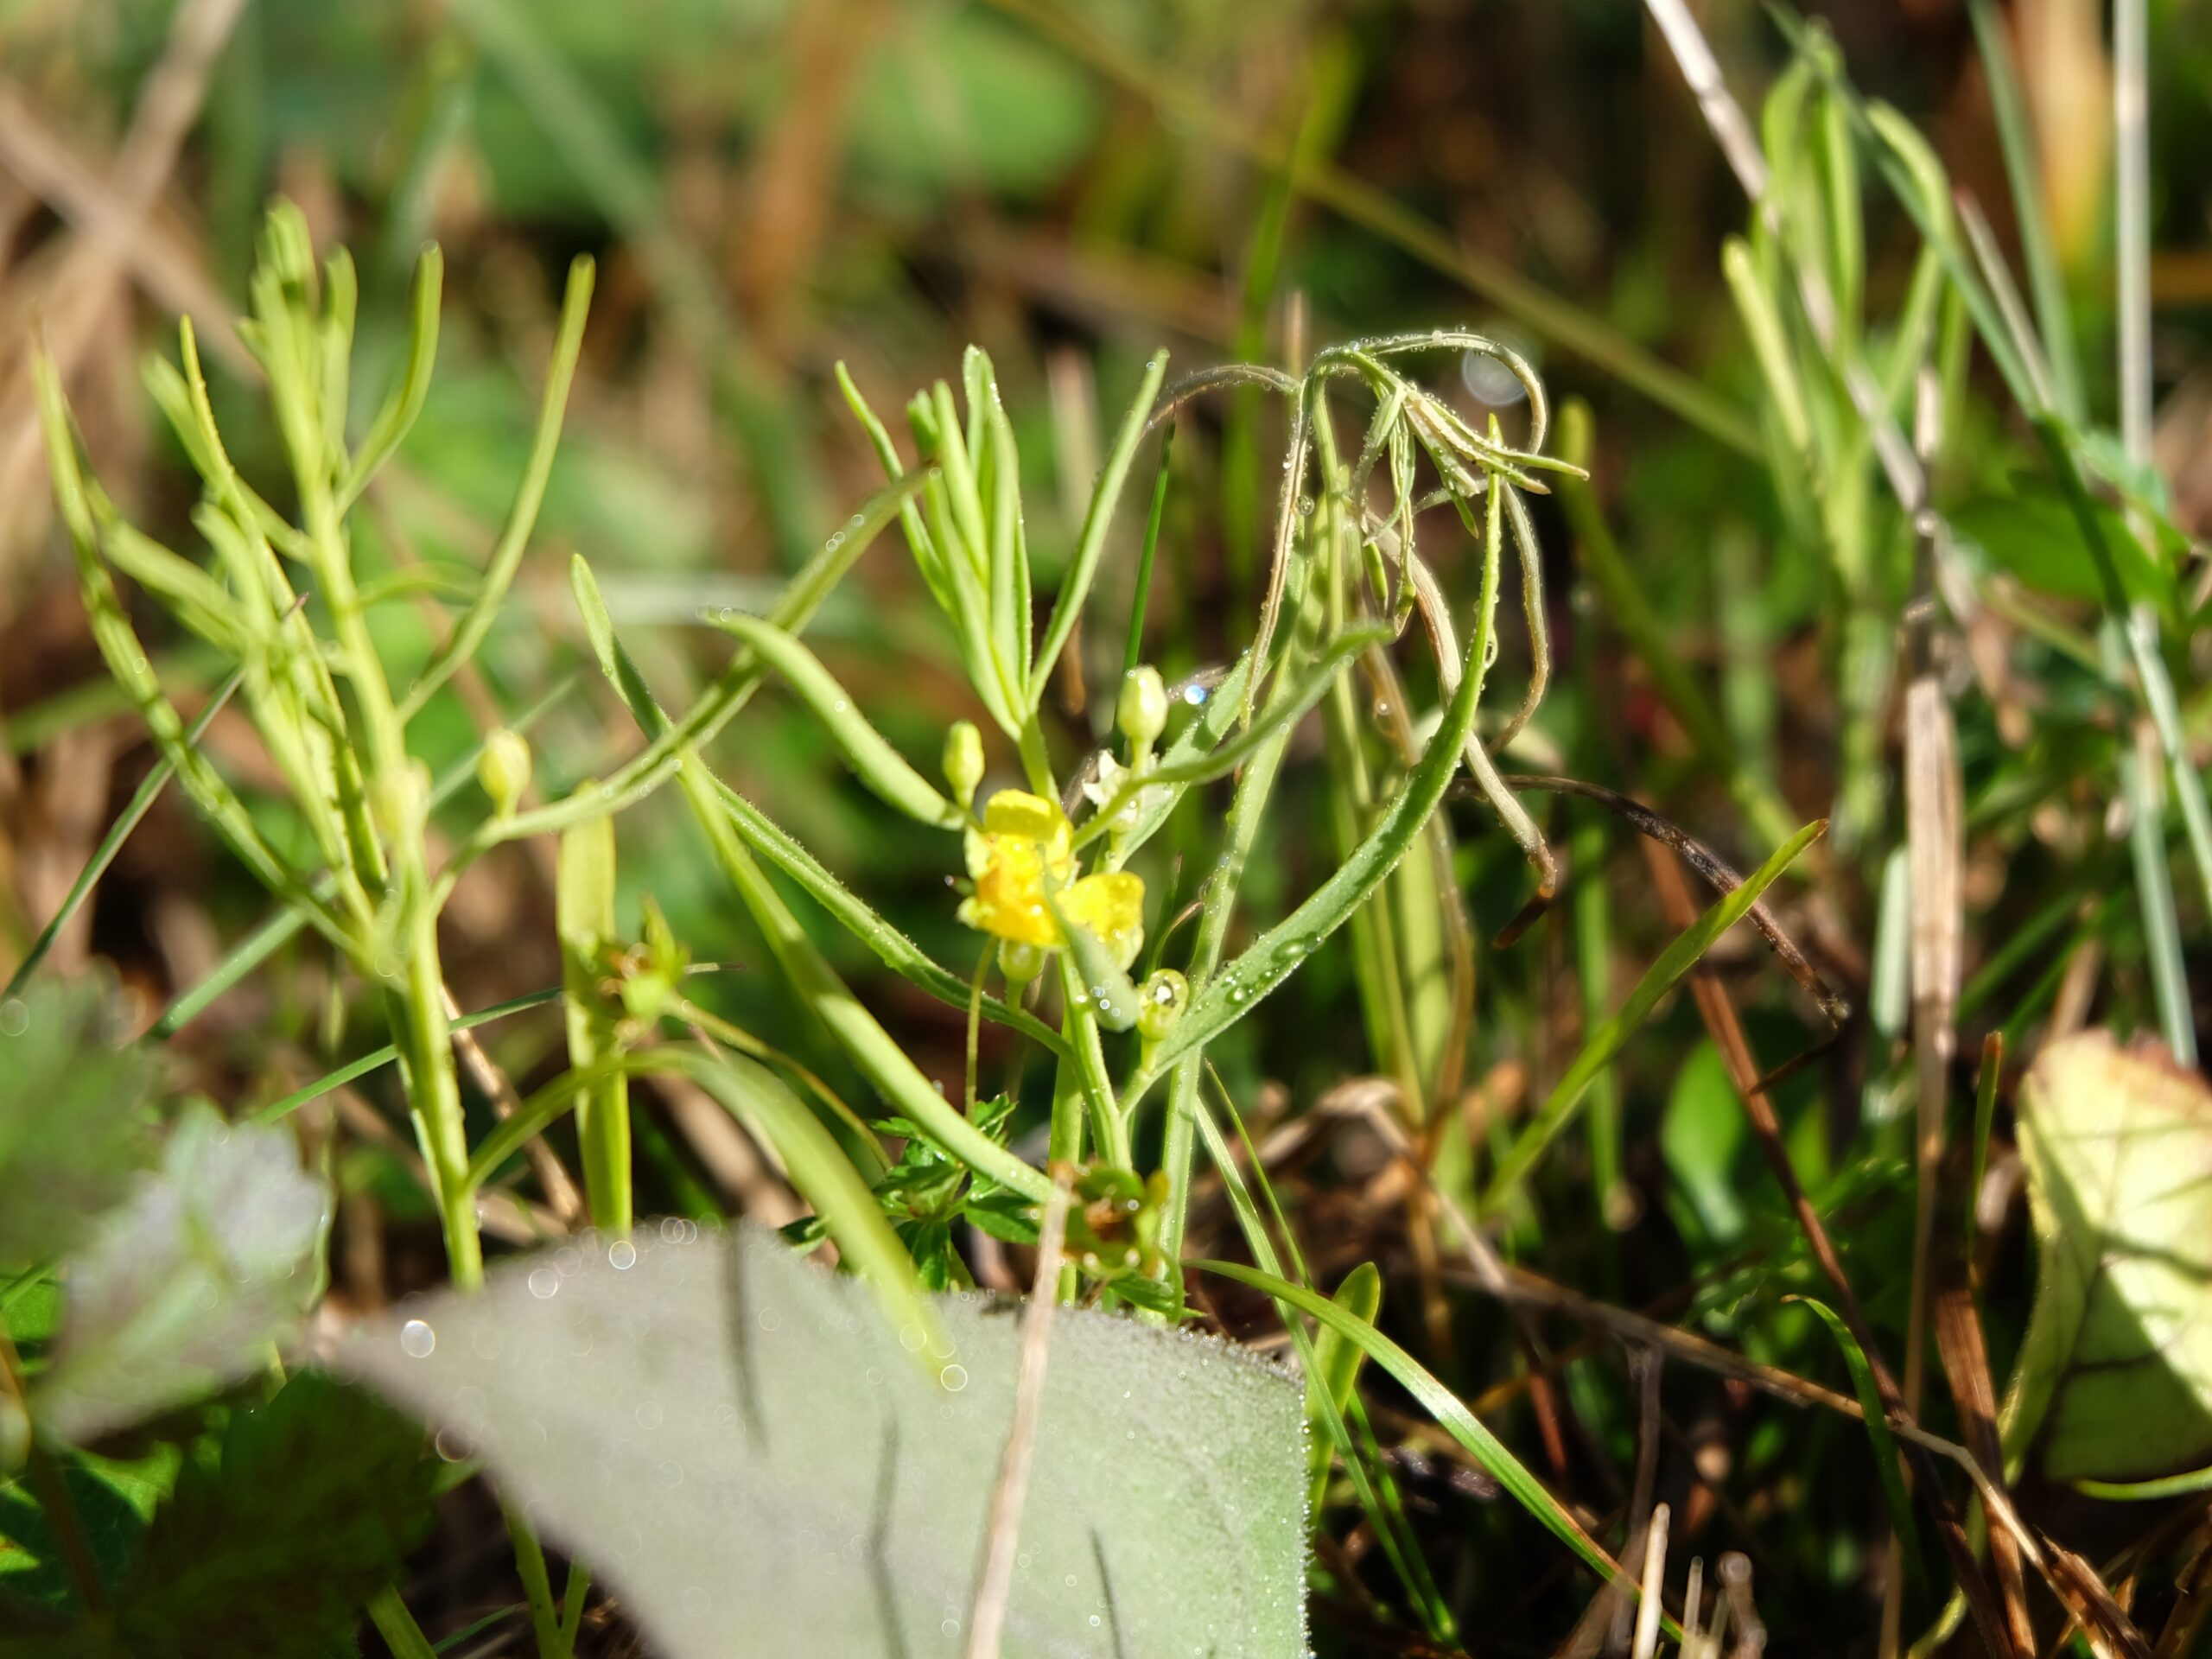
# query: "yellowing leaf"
2114 1379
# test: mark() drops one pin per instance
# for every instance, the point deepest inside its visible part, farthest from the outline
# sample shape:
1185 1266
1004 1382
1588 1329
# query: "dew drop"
955 1379
14 1017
543 1283
621 1255
416 1339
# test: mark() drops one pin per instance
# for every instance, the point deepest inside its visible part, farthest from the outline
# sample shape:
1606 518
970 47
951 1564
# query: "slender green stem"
1140 600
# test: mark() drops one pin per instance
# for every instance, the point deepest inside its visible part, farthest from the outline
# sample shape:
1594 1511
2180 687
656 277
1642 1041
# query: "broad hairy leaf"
2115 1380
185 1287
75 1117
739 1443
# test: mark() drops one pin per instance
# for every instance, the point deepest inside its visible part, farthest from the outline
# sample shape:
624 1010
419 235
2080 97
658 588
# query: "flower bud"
964 760
1160 1001
503 768
1142 713
1020 963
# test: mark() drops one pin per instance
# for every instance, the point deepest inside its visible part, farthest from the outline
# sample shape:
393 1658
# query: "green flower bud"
1142 713
1160 1001
401 799
1020 963
503 768
964 760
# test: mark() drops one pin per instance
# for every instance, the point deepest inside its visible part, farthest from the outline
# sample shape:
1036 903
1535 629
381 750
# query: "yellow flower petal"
1026 844
1112 907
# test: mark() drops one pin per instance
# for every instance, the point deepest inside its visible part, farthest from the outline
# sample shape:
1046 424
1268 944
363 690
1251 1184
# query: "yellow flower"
1026 850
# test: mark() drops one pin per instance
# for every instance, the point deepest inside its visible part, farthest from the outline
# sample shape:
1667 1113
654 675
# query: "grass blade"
1877 1429
111 843
2016 137
1607 1039
1443 1405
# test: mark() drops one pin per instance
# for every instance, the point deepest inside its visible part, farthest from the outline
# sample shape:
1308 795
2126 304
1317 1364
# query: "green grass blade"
1075 586
2015 136
2145 1491
111 843
1607 1039
1403 1554
384 1056
1336 1371
825 1178
879 1058
732 688
873 760
1441 1404
529 494
1886 1465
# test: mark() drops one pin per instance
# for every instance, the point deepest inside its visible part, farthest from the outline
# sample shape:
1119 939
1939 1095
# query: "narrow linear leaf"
1272 958
1336 1371
395 418
1075 587
873 760
529 494
1607 1041
1441 1404
1886 1464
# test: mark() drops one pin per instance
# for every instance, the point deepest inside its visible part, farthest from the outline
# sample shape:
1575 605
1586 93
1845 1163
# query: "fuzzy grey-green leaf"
738 1444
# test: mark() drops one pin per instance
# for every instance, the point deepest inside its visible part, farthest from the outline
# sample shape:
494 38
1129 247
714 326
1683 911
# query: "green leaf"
1075 586
75 1123
1336 1369
310 1509
113 1499
742 1447
1439 1402
1886 1465
583 910
1607 1040
2114 1378
879 765
186 1288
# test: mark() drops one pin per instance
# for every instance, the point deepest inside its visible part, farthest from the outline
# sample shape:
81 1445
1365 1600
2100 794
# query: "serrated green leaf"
2114 1379
75 1117
187 1286
307 1510
739 1445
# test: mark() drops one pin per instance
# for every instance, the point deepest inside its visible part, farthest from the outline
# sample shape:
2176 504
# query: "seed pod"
1160 1001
